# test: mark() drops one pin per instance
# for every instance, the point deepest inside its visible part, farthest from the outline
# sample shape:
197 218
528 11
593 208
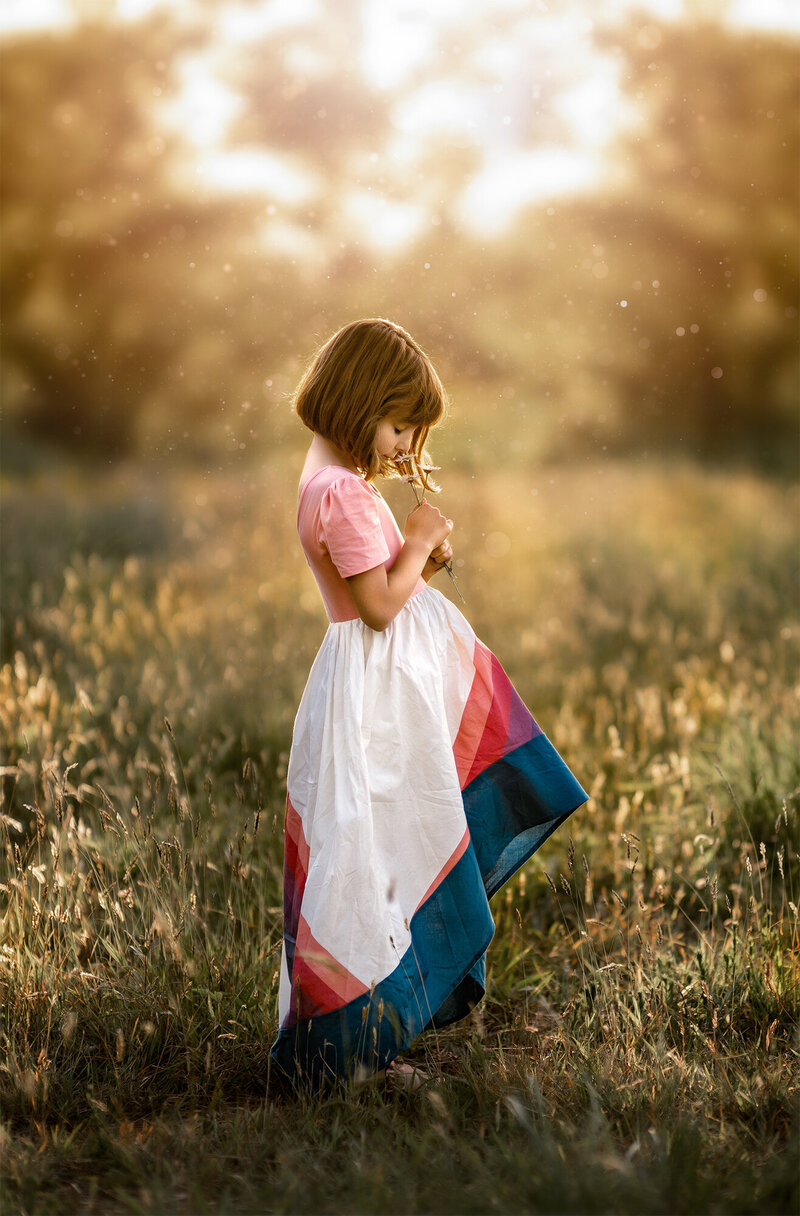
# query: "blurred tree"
701 244
110 272
138 314
662 312
303 96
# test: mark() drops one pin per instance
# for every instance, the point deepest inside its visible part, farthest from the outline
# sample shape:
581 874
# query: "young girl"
418 781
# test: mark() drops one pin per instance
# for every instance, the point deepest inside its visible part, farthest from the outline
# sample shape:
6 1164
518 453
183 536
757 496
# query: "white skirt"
418 782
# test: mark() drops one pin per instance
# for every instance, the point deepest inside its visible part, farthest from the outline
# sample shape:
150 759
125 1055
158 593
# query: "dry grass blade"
638 1035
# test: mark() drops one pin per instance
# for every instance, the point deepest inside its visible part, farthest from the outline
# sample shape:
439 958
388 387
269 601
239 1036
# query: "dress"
418 783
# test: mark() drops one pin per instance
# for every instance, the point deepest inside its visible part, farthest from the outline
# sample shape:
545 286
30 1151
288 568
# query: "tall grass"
637 1047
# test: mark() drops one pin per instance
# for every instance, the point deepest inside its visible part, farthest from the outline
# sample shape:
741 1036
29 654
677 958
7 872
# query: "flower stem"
417 478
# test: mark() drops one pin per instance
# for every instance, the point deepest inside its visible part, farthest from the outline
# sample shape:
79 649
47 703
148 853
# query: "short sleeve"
350 527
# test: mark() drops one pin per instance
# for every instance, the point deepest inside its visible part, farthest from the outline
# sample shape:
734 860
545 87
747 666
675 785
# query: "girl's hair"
368 371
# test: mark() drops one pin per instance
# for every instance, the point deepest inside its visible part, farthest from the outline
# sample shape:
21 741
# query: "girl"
418 781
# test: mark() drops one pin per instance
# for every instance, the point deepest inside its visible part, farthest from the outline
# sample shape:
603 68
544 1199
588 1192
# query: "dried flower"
418 476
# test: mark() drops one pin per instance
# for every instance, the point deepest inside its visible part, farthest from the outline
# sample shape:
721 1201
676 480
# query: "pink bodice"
345 528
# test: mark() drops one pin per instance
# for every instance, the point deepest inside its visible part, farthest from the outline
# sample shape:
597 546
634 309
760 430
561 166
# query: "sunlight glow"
205 107
444 106
767 14
477 102
135 10
33 14
592 105
395 42
389 54
254 170
510 182
382 222
240 22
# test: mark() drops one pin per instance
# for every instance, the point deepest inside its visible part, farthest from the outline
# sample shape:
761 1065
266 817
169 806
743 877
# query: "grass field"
637 1049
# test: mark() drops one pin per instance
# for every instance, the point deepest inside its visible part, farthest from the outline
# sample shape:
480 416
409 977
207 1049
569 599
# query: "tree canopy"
143 312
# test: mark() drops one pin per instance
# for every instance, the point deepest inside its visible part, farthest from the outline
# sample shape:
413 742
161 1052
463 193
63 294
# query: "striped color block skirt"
418 783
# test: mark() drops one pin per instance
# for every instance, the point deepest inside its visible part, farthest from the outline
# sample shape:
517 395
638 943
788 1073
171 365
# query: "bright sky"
43 14
399 37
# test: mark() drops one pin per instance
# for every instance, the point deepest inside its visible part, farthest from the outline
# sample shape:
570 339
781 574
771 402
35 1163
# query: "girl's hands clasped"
427 525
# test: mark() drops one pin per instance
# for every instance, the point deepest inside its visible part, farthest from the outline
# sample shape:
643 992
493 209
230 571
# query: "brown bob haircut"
368 371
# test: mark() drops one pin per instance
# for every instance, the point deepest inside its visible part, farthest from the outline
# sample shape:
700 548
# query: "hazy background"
587 213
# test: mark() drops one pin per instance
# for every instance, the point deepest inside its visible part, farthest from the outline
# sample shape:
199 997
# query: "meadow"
637 1048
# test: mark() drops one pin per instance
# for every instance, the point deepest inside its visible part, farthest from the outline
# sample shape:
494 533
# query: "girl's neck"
321 453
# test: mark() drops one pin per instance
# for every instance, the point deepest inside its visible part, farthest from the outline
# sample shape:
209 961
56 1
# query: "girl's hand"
437 560
427 525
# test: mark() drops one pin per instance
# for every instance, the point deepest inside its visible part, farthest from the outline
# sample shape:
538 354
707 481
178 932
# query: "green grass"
637 1047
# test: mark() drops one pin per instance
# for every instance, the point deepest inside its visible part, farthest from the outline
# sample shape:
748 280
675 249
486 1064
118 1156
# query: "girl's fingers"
428 522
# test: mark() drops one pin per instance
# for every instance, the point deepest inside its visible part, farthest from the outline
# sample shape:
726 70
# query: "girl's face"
393 435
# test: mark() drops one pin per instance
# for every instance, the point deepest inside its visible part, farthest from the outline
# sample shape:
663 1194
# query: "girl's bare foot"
406 1076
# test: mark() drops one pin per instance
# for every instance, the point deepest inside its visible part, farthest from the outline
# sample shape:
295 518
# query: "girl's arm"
379 594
